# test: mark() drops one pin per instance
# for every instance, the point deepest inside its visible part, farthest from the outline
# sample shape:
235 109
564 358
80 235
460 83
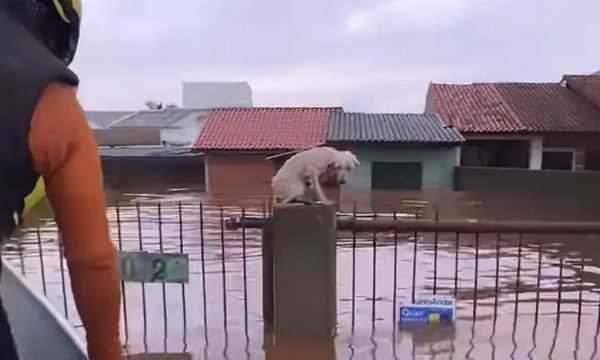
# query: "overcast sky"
365 55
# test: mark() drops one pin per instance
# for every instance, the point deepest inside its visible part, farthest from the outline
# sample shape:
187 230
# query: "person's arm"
64 151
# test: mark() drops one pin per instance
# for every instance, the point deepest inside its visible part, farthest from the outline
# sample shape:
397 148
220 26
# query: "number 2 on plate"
160 269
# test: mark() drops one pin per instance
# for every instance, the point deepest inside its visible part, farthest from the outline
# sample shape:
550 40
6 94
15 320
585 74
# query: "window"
396 176
558 159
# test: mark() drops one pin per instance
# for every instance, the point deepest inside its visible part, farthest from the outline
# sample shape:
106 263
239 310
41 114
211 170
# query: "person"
44 133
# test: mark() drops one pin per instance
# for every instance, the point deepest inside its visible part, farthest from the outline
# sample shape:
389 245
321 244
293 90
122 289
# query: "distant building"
397 152
168 126
551 126
237 143
103 119
206 95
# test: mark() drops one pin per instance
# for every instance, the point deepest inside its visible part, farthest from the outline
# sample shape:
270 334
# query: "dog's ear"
353 158
333 165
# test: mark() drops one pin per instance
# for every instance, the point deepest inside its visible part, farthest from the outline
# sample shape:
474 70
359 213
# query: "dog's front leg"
314 176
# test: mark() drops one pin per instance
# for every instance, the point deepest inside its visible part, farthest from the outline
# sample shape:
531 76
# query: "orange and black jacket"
43 132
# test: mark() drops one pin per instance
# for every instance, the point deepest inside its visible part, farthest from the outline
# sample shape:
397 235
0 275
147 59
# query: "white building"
174 126
206 95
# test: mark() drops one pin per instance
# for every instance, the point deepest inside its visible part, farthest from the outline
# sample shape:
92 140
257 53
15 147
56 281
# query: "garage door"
397 176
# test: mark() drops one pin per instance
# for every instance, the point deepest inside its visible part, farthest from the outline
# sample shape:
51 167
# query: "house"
397 151
238 141
169 126
554 126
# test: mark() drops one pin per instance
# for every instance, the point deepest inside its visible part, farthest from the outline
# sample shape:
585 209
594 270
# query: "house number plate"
154 267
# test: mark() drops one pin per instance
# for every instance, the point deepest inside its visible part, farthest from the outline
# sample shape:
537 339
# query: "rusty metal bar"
42 267
203 264
183 293
163 285
497 278
245 275
435 254
395 293
123 289
456 255
462 226
476 280
374 281
141 248
539 281
414 266
354 273
62 276
223 270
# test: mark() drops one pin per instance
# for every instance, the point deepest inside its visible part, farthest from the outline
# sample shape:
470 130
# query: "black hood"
41 18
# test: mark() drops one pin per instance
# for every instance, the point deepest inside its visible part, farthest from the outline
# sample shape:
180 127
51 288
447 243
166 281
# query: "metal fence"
492 269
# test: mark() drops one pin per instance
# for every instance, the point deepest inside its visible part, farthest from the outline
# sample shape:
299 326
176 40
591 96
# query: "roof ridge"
388 113
253 108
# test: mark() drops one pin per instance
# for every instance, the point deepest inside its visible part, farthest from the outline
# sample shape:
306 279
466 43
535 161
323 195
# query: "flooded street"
507 304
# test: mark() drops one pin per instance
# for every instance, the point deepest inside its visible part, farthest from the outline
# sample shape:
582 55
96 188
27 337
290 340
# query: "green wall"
438 163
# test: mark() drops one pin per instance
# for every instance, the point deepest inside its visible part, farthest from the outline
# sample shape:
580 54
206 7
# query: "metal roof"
164 118
144 151
390 128
103 119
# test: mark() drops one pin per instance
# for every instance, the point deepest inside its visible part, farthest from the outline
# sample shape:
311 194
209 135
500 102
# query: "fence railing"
519 247
382 262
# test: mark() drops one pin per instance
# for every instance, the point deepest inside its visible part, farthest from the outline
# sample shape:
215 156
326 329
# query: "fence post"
304 270
267 267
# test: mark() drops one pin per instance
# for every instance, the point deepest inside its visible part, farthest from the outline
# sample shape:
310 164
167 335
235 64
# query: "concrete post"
304 270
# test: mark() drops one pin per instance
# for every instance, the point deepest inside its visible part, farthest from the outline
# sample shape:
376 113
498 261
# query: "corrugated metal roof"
139 151
390 128
264 129
164 118
513 107
103 119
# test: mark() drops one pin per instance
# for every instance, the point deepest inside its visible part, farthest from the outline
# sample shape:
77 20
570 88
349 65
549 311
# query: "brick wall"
248 174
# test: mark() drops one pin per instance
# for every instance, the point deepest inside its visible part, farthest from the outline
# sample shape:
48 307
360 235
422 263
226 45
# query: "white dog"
307 169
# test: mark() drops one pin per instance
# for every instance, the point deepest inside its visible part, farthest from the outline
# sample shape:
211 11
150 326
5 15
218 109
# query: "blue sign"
428 311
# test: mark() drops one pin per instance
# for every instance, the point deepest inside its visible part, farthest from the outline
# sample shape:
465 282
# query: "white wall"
206 95
536 152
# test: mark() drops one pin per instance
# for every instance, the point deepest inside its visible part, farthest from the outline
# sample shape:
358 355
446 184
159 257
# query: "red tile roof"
586 85
513 107
264 129
551 107
473 108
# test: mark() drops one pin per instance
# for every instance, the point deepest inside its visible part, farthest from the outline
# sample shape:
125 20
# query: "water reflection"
510 284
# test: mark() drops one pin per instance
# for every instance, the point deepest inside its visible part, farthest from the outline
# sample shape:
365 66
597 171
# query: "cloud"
367 55
416 15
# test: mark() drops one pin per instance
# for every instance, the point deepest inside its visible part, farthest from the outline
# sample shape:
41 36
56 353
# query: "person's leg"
8 349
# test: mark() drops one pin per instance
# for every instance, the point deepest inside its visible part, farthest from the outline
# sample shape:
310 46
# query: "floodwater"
507 288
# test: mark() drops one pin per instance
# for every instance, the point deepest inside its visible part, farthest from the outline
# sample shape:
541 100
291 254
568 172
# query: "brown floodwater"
507 303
